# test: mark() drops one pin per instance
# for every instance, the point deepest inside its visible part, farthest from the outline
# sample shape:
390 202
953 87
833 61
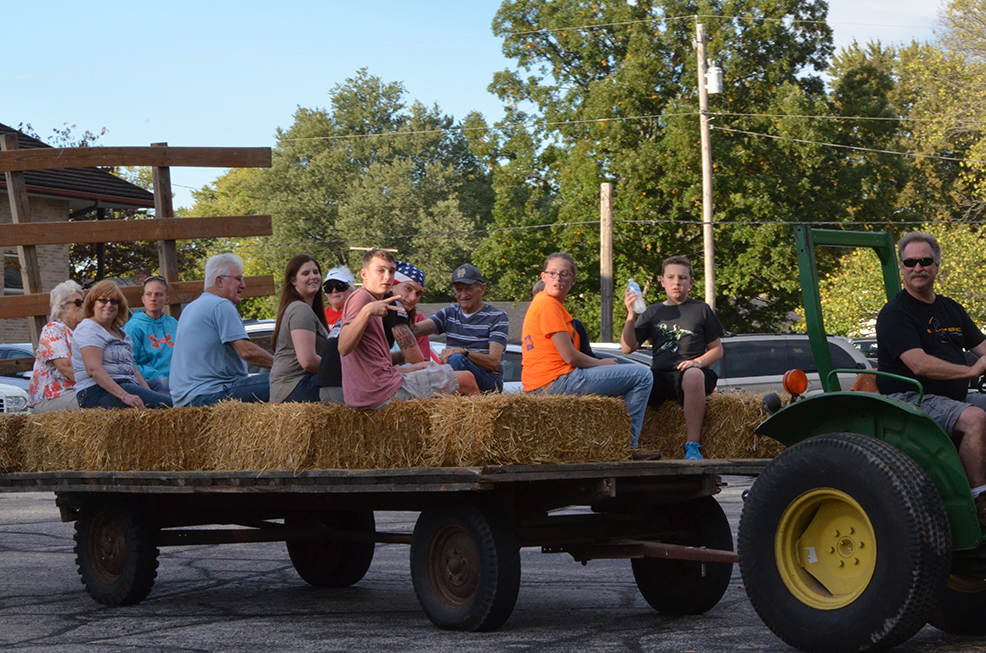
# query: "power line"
849 147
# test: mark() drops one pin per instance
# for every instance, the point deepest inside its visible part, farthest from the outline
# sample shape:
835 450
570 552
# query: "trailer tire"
330 563
682 587
115 553
962 607
849 499
465 566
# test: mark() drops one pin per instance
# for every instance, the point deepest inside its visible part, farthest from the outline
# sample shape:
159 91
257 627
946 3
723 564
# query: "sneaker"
692 451
980 502
645 455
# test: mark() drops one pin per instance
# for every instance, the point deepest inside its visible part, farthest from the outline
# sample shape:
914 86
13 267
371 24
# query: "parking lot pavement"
247 597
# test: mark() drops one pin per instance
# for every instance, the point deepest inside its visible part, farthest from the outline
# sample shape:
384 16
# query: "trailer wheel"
679 587
329 563
116 555
465 566
844 545
962 608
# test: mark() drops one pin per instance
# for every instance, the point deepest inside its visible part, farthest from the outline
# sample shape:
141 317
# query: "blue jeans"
486 381
248 389
96 397
158 384
632 382
306 390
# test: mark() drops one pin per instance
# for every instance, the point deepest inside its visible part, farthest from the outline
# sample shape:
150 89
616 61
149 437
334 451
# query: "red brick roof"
86 184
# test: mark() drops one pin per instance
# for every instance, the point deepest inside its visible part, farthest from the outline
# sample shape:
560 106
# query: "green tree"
369 171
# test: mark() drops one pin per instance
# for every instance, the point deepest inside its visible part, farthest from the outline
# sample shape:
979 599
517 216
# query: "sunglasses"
911 262
333 286
107 300
78 303
157 278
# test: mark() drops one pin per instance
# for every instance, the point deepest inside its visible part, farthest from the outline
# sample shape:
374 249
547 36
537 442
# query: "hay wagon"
464 550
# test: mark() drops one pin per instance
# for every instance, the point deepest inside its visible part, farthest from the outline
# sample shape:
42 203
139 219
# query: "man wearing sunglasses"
153 334
923 335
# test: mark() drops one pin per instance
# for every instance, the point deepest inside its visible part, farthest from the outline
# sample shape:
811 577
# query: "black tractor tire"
683 587
115 553
844 545
465 566
962 607
330 563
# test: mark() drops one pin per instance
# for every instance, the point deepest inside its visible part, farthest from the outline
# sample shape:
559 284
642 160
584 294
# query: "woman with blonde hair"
299 334
53 380
103 355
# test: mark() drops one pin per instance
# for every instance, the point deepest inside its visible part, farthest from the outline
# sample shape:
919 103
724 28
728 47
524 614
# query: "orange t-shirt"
541 362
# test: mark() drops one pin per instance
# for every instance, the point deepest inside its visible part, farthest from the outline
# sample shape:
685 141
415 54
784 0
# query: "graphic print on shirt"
671 336
157 342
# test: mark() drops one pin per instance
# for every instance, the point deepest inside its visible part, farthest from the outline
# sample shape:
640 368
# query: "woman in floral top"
53 381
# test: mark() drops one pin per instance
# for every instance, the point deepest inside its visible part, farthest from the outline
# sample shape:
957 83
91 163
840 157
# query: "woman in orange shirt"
551 364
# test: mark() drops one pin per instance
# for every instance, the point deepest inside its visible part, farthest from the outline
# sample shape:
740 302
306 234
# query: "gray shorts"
432 381
943 410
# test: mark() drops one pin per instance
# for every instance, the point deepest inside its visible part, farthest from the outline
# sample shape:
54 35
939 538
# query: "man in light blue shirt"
212 349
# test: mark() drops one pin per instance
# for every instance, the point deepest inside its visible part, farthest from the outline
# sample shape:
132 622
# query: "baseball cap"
466 273
339 273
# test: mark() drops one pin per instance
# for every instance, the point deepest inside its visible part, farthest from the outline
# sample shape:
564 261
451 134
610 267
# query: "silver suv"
757 362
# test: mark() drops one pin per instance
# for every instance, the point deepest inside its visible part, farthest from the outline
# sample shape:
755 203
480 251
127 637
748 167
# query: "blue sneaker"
692 451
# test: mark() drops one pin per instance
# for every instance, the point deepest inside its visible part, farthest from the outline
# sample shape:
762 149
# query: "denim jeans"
96 397
158 384
248 389
632 382
487 382
306 390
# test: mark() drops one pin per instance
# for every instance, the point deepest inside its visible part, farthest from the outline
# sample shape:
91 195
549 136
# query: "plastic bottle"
639 305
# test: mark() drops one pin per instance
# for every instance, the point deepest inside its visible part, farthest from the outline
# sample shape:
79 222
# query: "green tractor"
863 530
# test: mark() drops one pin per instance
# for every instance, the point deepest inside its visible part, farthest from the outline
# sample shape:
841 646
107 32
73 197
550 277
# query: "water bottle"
639 305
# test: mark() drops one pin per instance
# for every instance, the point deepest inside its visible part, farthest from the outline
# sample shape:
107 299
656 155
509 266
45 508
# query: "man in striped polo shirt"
476 333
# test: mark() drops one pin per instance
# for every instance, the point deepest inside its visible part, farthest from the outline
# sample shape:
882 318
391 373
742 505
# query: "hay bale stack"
11 451
730 418
526 430
109 440
256 437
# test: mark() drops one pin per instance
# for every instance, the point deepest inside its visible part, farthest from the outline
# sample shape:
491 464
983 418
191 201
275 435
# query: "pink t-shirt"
369 378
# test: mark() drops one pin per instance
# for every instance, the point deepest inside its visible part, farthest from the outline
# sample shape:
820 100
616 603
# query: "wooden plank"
167 252
12 365
86 157
183 291
125 231
20 210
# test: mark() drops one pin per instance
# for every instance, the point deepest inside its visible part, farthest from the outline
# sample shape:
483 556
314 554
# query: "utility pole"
606 284
703 109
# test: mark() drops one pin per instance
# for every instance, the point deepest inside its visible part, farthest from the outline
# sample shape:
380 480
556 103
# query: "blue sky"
221 73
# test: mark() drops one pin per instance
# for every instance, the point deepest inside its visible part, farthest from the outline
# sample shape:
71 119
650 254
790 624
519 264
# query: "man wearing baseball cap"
476 333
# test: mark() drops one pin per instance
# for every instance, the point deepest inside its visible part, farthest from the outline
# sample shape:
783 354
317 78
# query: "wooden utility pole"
703 109
606 261
27 255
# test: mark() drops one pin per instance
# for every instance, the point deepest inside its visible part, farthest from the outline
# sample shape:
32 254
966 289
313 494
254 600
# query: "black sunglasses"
111 301
333 285
78 303
157 278
911 262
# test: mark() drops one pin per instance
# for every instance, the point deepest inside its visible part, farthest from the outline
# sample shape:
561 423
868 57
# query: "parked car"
21 350
260 333
511 365
866 345
13 400
757 362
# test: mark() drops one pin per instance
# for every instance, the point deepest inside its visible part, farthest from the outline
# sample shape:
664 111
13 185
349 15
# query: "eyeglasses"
564 276
78 303
911 262
106 300
334 286
229 276
157 278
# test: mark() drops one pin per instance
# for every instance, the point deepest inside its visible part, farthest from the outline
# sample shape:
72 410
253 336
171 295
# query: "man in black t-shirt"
923 336
685 335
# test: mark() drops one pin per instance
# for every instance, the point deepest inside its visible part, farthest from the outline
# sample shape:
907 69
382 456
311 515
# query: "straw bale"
11 451
730 419
257 436
103 440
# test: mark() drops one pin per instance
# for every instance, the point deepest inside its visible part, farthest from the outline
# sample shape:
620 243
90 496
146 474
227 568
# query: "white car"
13 400
511 366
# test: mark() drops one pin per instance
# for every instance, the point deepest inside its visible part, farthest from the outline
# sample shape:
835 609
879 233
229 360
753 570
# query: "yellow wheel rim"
825 549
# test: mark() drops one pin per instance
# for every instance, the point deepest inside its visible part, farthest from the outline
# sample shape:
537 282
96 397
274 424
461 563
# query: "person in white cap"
338 286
